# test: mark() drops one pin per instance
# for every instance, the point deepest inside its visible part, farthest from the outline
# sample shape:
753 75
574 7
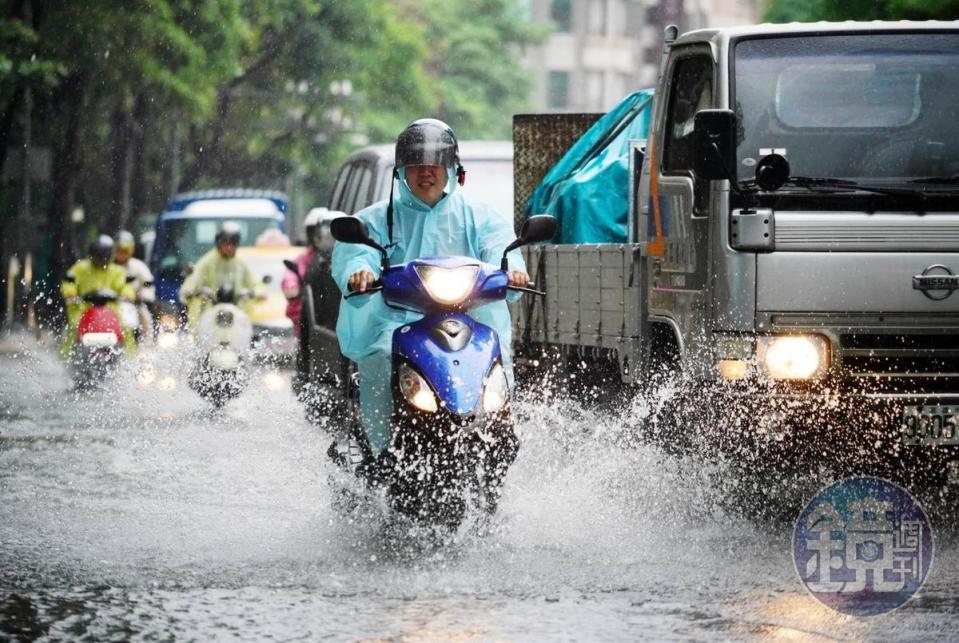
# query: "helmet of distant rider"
229 232
317 226
125 246
428 141
126 240
100 251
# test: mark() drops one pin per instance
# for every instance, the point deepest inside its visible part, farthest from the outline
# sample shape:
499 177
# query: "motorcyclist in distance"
429 218
316 257
96 272
142 278
220 267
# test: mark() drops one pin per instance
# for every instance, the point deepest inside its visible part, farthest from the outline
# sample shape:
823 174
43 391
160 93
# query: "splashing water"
132 513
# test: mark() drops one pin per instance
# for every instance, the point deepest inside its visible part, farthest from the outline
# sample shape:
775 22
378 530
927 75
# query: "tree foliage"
140 98
811 10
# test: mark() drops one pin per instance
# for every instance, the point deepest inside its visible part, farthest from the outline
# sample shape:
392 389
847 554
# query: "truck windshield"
186 240
879 108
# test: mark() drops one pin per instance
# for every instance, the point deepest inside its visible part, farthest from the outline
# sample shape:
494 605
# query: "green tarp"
588 188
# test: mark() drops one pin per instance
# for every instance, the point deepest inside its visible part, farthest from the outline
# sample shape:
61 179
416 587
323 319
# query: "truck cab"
793 239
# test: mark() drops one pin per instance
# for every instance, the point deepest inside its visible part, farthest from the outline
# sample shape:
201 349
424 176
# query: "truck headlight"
793 357
448 285
415 389
496 391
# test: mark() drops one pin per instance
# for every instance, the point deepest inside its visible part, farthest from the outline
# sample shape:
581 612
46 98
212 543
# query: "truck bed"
592 301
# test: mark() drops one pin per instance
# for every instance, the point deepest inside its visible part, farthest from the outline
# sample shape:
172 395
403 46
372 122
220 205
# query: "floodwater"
136 514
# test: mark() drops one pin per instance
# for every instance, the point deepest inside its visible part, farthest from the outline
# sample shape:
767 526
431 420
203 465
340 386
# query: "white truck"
792 247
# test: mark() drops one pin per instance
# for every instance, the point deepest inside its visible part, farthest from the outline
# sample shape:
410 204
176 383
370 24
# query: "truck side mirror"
715 131
772 172
538 227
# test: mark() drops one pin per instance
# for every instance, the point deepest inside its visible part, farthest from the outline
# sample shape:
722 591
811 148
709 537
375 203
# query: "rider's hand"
518 278
361 280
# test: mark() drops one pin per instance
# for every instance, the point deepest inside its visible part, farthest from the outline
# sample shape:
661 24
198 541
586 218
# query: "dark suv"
363 180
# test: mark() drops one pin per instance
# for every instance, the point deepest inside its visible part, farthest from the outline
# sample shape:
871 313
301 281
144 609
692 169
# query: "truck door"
677 209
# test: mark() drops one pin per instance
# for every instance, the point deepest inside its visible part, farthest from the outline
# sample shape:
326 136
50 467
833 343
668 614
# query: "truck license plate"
930 425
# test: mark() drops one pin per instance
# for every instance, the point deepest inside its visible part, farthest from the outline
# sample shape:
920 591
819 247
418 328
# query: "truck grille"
906 356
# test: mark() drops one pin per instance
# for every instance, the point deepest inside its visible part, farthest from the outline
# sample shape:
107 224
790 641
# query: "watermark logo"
863 546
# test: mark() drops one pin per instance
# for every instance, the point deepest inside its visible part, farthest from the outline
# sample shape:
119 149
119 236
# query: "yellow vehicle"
272 329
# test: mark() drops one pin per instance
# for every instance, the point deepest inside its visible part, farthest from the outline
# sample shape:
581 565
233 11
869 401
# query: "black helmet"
427 141
229 232
100 251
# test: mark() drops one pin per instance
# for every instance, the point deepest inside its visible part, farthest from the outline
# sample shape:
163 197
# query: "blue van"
186 230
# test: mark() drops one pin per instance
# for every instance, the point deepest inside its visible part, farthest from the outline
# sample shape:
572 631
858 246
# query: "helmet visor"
425 145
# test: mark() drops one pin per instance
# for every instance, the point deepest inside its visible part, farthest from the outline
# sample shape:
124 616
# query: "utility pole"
15 289
175 158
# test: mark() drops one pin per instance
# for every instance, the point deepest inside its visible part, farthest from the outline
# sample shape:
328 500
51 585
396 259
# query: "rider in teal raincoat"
429 218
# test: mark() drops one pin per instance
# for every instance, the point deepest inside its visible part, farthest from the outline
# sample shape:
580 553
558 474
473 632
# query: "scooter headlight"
448 285
416 391
793 357
224 359
99 340
496 391
167 339
273 381
147 376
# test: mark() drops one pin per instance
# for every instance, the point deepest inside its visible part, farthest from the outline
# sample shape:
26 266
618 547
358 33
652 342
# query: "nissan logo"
936 282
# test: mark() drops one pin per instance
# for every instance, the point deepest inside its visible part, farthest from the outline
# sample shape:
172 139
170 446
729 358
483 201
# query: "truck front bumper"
906 435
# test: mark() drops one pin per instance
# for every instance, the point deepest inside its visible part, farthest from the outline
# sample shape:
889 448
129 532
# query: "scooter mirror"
538 227
350 230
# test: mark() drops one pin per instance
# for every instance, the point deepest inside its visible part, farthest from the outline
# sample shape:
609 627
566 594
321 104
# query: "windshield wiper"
940 180
832 185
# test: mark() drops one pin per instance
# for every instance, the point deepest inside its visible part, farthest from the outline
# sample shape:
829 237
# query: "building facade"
601 50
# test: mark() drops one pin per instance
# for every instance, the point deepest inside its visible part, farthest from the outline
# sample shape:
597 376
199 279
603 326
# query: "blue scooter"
452 430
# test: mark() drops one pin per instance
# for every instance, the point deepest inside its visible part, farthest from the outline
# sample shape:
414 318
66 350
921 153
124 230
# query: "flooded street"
142 515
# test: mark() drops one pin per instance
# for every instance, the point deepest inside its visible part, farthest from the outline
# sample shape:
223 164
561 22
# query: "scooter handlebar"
376 286
100 297
529 290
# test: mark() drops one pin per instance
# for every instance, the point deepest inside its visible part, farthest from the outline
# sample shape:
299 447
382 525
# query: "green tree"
811 10
475 45
137 99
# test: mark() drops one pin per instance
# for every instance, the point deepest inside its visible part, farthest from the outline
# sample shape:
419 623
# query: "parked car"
272 329
363 180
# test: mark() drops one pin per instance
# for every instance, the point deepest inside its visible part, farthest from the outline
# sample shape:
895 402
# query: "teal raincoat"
365 324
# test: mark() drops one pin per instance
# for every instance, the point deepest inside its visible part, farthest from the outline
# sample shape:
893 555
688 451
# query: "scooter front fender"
453 352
